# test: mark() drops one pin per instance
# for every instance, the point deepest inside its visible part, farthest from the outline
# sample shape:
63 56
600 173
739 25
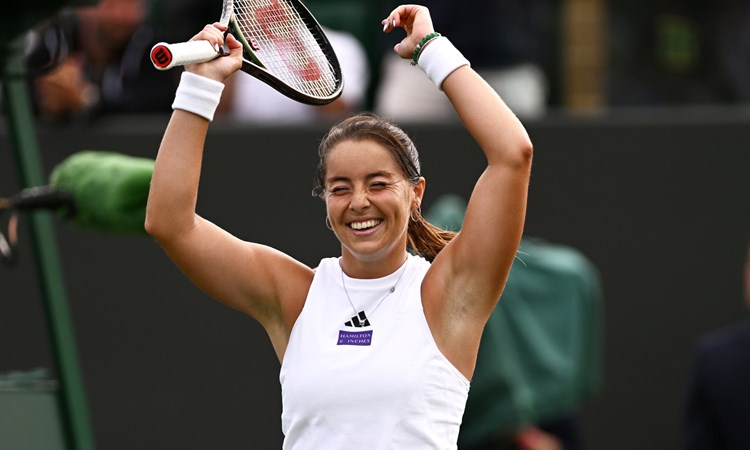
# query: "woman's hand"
417 23
221 68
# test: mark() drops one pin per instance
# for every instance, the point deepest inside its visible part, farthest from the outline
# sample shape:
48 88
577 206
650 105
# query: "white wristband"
198 95
439 59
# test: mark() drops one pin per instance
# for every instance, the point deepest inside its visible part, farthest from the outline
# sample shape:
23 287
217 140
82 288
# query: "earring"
328 223
418 211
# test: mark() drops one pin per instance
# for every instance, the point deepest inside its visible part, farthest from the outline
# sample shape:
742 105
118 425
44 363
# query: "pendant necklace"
360 319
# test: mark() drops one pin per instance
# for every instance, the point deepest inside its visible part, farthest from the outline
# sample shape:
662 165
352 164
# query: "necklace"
360 319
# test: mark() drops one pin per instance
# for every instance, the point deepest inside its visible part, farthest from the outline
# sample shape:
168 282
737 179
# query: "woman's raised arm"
468 275
249 277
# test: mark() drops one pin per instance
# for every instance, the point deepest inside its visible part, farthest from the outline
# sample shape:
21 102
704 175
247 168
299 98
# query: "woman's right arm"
246 276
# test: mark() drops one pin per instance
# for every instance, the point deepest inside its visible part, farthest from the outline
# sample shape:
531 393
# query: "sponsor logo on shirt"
355 337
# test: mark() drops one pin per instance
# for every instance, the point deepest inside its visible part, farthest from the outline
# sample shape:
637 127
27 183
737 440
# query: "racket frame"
201 51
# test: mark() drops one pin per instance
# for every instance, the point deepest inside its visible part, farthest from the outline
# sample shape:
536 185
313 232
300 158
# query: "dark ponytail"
426 239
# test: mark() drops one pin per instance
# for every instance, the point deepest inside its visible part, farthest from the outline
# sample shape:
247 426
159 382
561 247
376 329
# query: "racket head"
285 47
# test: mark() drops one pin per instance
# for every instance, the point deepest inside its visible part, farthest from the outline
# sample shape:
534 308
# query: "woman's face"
368 200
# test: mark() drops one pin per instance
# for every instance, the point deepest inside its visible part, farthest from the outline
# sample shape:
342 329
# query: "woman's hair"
424 238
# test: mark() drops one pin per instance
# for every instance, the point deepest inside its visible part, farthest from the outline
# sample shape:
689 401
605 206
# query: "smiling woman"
366 159
378 344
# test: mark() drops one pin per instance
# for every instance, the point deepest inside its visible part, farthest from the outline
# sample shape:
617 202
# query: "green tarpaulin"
540 354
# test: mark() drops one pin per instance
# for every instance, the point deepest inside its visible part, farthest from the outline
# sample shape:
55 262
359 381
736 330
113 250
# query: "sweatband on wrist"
198 95
440 59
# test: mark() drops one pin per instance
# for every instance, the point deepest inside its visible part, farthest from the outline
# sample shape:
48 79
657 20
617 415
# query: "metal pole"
72 400
584 59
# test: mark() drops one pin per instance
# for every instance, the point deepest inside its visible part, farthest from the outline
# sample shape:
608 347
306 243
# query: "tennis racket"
283 46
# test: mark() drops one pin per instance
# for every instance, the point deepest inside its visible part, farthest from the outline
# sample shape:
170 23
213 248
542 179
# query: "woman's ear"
419 188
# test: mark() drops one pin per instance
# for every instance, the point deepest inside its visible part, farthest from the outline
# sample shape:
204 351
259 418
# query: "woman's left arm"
474 266
468 275
480 257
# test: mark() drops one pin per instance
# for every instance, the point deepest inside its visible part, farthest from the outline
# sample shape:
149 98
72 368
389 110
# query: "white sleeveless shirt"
380 386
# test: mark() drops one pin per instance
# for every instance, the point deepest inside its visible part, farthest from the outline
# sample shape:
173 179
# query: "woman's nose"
360 200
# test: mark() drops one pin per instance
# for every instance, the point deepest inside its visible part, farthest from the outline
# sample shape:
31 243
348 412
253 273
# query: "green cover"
109 190
540 354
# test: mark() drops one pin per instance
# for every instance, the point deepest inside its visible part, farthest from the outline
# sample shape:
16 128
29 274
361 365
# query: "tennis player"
377 346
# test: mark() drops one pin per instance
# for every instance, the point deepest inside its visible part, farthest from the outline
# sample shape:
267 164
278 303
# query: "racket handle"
164 56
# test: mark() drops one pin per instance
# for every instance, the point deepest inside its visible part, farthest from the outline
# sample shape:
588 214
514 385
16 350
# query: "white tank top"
384 385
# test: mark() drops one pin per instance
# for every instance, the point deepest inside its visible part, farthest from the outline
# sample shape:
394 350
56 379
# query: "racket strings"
284 44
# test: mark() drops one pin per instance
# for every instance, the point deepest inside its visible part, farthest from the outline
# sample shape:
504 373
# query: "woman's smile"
366 225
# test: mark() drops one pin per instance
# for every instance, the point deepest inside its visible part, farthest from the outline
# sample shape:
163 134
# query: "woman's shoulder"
327 264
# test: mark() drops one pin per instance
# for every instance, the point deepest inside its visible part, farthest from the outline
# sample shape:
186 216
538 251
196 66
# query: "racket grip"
164 56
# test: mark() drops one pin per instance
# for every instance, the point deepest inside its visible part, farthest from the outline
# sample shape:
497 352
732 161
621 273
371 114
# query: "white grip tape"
439 59
198 95
164 56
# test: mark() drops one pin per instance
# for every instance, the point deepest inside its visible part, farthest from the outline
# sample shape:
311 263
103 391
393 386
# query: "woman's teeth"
364 225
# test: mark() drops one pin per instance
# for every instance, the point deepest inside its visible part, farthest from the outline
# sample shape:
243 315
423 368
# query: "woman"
376 346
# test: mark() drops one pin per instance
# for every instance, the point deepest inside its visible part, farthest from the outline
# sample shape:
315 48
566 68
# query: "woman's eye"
378 185
338 190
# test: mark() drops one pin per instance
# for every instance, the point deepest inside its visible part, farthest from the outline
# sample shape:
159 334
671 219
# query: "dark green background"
658 201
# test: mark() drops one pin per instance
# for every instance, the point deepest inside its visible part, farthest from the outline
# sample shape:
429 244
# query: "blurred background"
639 112
553 56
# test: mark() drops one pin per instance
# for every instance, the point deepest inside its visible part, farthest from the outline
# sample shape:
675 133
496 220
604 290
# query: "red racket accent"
273 18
